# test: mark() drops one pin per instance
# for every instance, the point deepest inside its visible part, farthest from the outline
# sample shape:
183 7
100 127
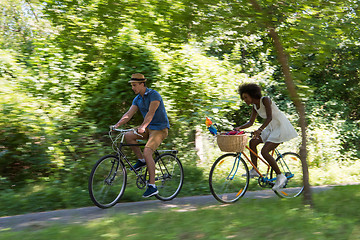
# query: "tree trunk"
282 58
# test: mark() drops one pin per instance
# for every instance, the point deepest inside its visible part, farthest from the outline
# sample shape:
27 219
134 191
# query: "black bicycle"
108 177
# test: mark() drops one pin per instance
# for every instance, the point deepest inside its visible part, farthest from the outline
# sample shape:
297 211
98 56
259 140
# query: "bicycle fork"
234 168
112 174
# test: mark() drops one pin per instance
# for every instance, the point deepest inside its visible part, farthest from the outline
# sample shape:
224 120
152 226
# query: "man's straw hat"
137 77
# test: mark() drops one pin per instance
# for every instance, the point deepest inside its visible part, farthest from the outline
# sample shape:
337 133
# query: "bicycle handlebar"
120 136
248 132
125 130
251 132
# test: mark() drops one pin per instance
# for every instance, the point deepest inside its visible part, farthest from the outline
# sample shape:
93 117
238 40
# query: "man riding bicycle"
154 127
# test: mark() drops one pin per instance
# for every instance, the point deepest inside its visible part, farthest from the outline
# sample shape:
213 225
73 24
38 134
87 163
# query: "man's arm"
127 116
149 116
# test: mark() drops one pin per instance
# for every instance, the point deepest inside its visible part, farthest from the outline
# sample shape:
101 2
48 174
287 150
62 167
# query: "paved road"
81 215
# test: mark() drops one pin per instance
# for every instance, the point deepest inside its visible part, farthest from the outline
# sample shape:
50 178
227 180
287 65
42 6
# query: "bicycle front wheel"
290 165
107 181
169 176
229 178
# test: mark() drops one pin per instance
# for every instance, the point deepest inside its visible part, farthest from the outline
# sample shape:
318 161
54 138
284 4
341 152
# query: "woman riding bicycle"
275 129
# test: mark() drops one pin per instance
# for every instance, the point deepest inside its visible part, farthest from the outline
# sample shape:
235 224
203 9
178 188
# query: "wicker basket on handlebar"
232 143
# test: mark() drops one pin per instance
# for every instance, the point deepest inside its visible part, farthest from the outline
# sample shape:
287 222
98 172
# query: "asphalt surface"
82 215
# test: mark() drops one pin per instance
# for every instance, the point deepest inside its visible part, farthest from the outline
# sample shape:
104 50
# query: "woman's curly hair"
252 89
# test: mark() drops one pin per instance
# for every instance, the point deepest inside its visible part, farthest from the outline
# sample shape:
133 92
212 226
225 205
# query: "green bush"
24 139
350 139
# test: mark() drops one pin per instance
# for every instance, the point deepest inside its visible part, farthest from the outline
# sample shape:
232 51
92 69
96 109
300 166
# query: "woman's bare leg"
265 152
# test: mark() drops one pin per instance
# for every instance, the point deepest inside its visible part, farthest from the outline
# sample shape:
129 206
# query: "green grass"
56 195
336 215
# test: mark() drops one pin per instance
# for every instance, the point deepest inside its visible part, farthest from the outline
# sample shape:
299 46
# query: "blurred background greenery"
65 65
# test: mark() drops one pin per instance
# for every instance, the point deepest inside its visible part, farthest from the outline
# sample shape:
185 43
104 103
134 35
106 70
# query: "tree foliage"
65 65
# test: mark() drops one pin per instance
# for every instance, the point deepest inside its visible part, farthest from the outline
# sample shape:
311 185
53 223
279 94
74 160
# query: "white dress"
279 129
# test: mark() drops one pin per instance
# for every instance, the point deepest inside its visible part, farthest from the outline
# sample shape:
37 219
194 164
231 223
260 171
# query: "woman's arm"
267 104
250 122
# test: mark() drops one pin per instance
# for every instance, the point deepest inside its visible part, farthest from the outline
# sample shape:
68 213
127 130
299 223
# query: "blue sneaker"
150 191
139 164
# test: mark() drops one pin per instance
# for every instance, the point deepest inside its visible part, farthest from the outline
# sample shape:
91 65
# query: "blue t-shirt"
160 119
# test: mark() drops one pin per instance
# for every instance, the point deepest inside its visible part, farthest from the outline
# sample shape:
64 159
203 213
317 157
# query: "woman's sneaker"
150 191
252 173
280 182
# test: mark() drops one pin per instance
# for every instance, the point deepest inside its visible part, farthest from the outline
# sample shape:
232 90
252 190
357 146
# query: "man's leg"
155 139
150 163
131 138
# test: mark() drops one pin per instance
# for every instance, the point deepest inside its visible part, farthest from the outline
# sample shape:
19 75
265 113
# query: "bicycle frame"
121 154
278 154
252 164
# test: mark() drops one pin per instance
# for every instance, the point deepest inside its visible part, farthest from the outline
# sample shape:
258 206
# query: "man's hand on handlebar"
141 130
136 132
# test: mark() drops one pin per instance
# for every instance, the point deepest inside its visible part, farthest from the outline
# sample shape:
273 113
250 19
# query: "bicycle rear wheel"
290 165
229 178
107 181
169 176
